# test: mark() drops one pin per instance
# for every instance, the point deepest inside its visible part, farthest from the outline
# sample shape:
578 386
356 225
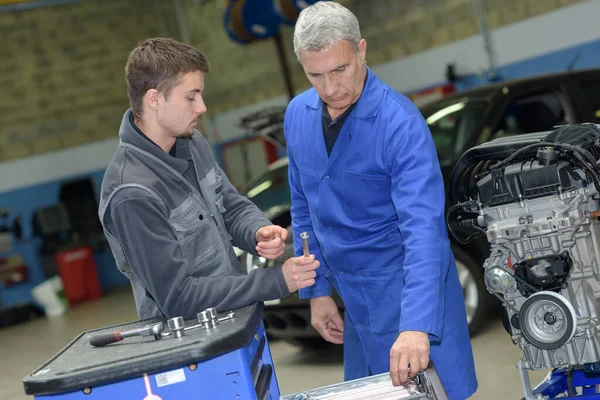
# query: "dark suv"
457 122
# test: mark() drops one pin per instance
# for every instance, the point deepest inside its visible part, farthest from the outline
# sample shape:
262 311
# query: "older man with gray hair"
366 184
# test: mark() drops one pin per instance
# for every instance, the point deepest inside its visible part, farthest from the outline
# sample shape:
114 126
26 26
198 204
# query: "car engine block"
534 198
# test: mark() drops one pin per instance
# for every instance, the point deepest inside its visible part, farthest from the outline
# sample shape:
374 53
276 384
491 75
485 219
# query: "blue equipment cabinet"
231 360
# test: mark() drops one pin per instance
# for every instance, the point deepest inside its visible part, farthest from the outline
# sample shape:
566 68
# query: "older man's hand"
270 241
411 348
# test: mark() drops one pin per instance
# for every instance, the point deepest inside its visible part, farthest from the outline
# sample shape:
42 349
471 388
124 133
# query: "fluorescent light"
444 111
259 189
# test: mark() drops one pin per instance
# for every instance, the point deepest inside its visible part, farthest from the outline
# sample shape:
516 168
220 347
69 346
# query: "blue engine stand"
230 361
582 382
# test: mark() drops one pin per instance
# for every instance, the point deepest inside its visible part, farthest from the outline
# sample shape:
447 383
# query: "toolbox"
217 356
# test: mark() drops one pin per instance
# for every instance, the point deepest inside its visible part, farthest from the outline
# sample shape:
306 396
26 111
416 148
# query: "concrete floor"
26 346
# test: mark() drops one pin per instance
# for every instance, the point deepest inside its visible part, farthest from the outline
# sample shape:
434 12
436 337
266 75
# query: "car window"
270 189
592 96
452 125
541 111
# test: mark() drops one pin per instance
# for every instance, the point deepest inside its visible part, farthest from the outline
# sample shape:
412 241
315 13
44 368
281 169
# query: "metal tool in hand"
108 338
207 319
304 236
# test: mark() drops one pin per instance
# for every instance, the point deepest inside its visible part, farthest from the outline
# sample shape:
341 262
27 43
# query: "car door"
531 107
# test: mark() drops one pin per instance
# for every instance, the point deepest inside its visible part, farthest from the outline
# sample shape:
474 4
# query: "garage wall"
61 66
67 90
61 70
394 29
544 43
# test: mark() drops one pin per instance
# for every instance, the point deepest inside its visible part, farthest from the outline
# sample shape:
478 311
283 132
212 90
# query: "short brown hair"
158 63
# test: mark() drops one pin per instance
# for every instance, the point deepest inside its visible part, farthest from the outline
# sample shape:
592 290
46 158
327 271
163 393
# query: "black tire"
476 295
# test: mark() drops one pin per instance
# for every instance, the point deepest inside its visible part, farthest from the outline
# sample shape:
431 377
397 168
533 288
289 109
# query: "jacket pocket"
189 219
382 288
215 188
198 238
215 182
367 197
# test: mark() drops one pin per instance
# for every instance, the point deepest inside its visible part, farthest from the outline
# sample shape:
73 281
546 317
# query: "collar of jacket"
367 104
128 134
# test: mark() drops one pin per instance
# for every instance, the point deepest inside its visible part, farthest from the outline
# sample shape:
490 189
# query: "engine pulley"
547 320
499 281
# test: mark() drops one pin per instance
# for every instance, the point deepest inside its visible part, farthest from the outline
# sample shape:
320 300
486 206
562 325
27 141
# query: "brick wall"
61 67
243 75
62 70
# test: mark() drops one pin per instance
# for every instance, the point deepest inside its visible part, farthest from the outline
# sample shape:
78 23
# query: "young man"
367 186
169 212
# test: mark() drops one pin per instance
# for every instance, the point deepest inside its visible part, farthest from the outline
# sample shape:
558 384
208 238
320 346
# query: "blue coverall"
374 210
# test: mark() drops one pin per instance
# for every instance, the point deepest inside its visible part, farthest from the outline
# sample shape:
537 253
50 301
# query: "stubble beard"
185 135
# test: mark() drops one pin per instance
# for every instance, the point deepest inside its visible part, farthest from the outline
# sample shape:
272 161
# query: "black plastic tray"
79 364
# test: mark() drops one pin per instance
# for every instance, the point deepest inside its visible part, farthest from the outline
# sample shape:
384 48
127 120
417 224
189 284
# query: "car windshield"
271 189
452 125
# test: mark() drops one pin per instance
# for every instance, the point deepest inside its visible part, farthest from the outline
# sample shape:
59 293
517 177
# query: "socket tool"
108 338
176 325
207 319
304 236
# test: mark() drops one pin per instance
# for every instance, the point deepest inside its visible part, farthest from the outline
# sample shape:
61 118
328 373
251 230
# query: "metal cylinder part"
213 315
304 236
176 325
205 318
212 312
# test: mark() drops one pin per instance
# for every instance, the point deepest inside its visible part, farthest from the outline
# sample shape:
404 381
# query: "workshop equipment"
534 199
79 274
211 357
206 319
425 386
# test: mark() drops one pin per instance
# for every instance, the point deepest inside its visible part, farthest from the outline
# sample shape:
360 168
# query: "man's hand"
299 272
270 241
326 319
411 347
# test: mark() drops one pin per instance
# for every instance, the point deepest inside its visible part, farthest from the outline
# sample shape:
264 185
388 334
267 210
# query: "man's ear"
362 50
151 98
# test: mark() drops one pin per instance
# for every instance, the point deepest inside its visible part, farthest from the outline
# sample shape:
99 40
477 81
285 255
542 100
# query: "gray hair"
324 24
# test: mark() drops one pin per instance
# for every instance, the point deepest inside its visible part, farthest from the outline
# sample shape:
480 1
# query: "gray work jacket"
172 222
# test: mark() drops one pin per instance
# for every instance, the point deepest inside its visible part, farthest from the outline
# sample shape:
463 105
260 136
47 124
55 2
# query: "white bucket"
51 296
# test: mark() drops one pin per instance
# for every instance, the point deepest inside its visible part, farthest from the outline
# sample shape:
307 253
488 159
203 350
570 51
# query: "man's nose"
200 107
329 87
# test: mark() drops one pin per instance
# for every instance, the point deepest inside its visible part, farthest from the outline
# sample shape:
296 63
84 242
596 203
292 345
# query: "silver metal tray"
426 386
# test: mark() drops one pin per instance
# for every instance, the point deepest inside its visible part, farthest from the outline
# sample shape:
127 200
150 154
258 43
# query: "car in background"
457 123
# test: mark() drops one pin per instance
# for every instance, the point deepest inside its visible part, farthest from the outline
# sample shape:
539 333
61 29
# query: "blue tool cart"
226 357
